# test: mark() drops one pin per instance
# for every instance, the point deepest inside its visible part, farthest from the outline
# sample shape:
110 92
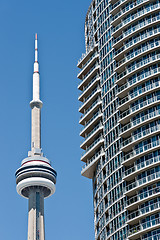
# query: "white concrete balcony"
125 88
91 135
120 65
87 78
140 229
86 102
127 115
90 110
116 6
135 154
128 144
88 126
91 149
133 18
86 56
149 22
133 43
87 65
134 217
125 102
89 168
88 88
138 184
130 127
133 202
137 67
127 10
138 168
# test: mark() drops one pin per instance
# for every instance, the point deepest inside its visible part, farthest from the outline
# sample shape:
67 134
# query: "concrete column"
36 128
36 215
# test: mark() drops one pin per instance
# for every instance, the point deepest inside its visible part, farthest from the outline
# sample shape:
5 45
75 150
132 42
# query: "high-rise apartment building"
120 105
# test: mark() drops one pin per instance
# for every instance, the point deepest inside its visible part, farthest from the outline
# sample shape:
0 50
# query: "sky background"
60 28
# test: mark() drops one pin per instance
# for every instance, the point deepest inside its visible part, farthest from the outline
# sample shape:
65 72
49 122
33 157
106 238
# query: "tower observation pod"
36 178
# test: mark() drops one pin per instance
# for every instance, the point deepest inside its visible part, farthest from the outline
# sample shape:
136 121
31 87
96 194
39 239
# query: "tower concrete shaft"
36 214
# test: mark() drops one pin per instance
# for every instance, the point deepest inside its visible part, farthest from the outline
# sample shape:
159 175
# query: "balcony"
136 41
132 6
135 55
118 41
87 64
124 102
137 168
135 216
125 116
90 110
134 232
127 129
123 90
88 126
134 17
89 167
86 102
90 135
132 156
88 87
142 197
128 144
86 78
136 67
97 143
86 56
148 180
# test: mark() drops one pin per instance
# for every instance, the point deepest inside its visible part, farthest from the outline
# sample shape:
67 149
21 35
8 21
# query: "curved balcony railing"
142 181
153 237
143 211
92 145
137 40
139 92
136 15
138 66
138 52
140 135
139 120
139 78
136 28
143 195
90 108
92 81
91 120
142 165
94 130
94 91
97 155
140 150
117 4
144 226
94 54
91 70
129 7
139 106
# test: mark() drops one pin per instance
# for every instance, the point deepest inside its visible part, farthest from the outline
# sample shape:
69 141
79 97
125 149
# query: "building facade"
120 105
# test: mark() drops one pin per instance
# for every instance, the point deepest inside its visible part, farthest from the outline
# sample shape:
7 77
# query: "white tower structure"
36 178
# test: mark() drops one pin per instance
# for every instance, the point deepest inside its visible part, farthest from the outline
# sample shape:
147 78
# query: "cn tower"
36 178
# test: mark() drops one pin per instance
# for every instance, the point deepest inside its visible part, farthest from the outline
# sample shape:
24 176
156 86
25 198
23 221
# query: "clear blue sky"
60 28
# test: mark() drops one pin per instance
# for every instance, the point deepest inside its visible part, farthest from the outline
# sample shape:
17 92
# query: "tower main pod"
36 178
